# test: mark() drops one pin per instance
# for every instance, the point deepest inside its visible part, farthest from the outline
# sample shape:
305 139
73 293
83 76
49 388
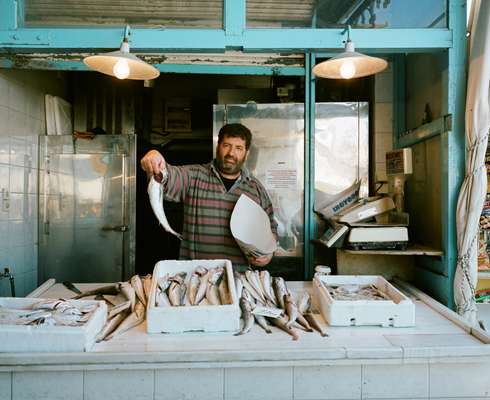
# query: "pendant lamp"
349 64
121 63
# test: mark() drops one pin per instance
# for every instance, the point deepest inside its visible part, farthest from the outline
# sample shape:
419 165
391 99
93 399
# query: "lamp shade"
122 64
349 64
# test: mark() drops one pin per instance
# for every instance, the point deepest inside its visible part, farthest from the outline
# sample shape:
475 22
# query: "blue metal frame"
309 165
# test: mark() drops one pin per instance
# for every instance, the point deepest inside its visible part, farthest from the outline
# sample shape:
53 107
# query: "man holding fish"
209 193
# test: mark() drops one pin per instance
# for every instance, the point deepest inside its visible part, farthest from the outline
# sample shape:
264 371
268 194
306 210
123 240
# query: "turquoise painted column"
309 184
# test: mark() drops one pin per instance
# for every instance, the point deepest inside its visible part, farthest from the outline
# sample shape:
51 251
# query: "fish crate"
396 311
39 338
205 318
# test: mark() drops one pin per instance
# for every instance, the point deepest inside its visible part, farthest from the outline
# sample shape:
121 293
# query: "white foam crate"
397 312
38 338
209 318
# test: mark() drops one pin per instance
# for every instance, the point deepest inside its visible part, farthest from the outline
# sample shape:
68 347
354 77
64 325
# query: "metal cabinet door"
84 221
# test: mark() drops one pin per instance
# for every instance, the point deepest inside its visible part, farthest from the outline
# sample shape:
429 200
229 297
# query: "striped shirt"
208 207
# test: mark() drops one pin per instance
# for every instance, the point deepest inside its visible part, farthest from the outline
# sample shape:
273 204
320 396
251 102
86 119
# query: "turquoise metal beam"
309 165
19 62
8 15
234 14
216 40
426 131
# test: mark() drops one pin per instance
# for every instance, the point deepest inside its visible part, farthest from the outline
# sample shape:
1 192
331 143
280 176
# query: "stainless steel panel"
277 155
341 147
87 224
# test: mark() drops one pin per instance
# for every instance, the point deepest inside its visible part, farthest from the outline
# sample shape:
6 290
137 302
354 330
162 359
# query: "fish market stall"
427 360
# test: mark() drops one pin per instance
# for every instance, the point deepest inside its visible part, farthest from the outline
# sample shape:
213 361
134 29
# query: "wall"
22 120
383 123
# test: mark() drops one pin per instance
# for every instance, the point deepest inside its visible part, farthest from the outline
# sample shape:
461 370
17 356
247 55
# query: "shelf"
412 250
483 274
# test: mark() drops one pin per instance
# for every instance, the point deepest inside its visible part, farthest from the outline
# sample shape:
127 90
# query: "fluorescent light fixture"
122 64
349 64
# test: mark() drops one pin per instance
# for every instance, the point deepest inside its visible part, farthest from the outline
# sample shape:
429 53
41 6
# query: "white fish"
155 191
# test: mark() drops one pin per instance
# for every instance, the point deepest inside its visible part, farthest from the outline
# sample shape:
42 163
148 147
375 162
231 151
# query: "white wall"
22 120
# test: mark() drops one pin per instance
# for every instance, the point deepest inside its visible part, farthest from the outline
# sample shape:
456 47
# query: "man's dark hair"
236 130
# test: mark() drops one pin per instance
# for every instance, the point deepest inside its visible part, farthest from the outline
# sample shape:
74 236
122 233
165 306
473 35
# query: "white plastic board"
32 338
209 318
397 312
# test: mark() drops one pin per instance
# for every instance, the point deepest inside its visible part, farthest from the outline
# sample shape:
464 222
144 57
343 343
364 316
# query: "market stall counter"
439 357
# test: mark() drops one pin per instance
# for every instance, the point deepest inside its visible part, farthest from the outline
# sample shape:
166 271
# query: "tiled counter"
438 358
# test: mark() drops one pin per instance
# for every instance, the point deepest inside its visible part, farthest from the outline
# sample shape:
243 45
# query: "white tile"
4 120
16 208
17 150
383 88
409 381
327 382
17 181
174 384
59 385
5 379
383 117
4 148
459 380
259 383
17 96
16 233
17 123
118 384
30 281
16 260
31 180
4 90
4 176
433 340
4 238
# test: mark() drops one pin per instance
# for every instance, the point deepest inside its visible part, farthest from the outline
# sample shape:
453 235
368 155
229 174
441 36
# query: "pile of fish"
356 292
50 312
127 304
201 287
268 300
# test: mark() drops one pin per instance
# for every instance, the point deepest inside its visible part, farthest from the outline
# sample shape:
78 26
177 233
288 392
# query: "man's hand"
153 163
260 261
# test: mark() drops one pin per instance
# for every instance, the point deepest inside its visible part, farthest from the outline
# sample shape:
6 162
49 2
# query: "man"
209 193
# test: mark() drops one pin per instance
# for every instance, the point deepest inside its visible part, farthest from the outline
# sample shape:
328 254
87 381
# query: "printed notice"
282 178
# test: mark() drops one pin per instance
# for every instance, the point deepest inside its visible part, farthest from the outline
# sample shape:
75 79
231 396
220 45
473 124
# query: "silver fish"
110 326
127 290
203 286
212 292
132 320
291 309
314 323
304 303
247 316
119 308
253 279
161 299
155 192
224 291
147 286
238 284
251 289
304 322
193 287
265 280
137 285
280 290
281 323
262 322
175 293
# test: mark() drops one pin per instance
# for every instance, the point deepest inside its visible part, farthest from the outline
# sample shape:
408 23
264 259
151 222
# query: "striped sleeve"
178 182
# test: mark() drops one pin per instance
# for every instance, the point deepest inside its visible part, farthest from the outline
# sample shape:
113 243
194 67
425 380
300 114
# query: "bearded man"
209 193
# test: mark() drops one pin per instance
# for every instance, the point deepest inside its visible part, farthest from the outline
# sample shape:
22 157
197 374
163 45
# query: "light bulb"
121 69
347 69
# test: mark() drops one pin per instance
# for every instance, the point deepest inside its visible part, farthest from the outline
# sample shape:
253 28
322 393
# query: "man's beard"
229 165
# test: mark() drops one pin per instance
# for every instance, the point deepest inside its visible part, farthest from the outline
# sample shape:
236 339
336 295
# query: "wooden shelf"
483 274
412 250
